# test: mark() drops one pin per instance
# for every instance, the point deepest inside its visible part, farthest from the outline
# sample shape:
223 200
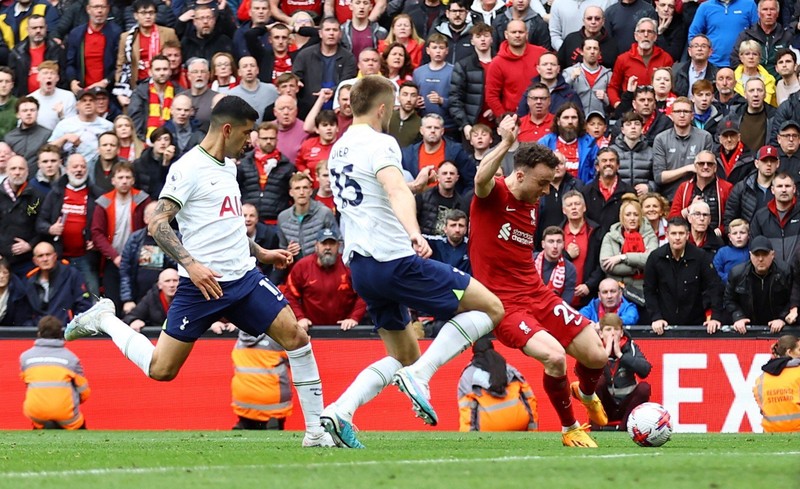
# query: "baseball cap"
85 92
767 152
326 234
97 91
728 124
596 113
760 243
788 124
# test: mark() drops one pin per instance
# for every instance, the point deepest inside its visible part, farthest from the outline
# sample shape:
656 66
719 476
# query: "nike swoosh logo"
509 209
215 182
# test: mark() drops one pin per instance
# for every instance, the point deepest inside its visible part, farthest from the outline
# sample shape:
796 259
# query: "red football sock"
588 378
557 389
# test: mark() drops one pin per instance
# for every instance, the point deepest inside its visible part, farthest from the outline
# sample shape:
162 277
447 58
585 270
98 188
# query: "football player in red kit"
502 229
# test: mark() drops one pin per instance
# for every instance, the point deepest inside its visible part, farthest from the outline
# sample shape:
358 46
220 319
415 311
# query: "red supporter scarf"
261 160
559 276
729 163
158 112
164 302
634 243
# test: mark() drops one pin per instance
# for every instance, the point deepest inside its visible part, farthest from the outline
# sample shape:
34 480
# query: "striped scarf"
158 111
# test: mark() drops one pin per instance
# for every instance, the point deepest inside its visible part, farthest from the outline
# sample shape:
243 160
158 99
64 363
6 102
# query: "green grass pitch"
411 460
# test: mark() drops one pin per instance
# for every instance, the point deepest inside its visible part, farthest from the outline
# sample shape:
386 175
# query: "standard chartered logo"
505 231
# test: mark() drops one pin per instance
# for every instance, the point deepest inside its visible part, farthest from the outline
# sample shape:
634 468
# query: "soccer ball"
649 425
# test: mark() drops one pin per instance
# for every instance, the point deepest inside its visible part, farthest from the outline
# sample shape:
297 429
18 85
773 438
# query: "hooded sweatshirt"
509 75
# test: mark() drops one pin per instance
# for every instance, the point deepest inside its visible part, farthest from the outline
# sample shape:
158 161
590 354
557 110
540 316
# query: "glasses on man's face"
790 137
705 163
702 215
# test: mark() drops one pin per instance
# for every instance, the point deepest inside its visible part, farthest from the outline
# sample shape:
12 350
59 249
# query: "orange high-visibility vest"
514 412
779 400
261 386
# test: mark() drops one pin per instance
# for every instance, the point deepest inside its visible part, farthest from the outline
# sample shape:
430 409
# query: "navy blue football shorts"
390 288
251 303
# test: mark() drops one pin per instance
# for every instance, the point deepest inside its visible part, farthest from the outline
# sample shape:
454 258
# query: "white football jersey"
368 222
210 219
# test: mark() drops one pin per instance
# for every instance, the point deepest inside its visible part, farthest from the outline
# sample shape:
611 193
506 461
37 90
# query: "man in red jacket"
639 63
510 72
320 290
117 214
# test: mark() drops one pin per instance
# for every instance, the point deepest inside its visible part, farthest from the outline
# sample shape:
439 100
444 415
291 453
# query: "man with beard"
151 101
571 52
603 195
406 122
26 56
202 96
19 205
320 289
451 246
568 137
206 35
78 133
28 136
779 220
66 217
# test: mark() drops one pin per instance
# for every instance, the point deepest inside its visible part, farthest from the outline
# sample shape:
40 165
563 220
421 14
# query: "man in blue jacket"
568 137
55 288
610 299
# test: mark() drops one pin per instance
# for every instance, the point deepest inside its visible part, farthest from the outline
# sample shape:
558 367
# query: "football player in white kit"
218 273
386 254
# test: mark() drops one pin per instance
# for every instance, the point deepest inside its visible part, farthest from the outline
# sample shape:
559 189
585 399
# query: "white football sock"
135 346
369 383
454 337
305 377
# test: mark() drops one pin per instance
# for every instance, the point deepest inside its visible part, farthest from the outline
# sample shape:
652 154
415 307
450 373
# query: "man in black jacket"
152 309
467 81
434 204
680 283
206 35
20 58
571 50
264 175
758 290
55 288
20 203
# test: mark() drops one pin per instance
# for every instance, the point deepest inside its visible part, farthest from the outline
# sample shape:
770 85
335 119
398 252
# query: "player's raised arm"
159 227
484 178
404 206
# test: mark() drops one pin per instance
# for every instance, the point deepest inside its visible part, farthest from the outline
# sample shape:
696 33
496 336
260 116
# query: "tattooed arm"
204 278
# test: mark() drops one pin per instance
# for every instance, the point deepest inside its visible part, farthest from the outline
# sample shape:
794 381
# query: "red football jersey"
501 234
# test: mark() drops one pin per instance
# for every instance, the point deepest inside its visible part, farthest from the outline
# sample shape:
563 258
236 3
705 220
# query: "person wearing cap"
779 220
102 105
79 133
788 110
320 289
681 286
788 143
753 191
597 127
706 187
734 159
589 78
758 291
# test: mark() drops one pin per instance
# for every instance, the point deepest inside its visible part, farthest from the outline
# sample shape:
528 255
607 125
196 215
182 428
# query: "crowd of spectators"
677 125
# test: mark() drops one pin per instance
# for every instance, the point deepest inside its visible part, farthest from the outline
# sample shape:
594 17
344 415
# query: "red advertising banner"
706 384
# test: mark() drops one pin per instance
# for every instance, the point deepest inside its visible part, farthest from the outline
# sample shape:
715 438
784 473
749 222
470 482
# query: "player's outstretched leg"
305 375
478 313
101 318
337 418
588 350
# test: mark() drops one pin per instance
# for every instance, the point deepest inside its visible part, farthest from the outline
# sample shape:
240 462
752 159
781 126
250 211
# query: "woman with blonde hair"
223 72
750 56
403 32
655 208
627 244
777 390
130 146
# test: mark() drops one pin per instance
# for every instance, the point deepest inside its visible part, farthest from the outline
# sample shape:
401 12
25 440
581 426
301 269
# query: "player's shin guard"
455 337
587 378
135 346
305 377
369 383
557 389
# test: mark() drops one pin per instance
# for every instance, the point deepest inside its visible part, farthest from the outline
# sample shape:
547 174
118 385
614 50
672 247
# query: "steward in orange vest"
777 390
493 396
56 385
261 387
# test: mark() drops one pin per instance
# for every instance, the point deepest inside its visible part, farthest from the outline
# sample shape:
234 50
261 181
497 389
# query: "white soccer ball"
649 425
